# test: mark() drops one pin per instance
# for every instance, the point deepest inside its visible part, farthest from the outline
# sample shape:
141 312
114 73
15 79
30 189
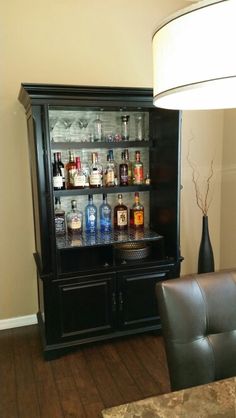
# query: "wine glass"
59 131
83 123
75 130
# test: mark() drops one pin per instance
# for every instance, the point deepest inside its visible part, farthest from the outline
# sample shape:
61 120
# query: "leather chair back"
198 316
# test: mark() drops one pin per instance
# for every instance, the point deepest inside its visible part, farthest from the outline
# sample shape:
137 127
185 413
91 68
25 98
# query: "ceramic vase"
205 257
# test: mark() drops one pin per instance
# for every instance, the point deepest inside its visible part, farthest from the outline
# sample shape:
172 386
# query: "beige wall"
202 133
228 213
75 42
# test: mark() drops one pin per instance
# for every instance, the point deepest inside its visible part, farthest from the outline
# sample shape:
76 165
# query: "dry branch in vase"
202 197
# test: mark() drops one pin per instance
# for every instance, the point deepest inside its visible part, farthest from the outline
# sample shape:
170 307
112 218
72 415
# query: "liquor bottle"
123 171
137 169
128 162
74 219
137 213
70 168
97 129
79 176
59 217
110 176
105 215
139 128
95 176
85 168
57 174
125 127
120 215
90 216
61 165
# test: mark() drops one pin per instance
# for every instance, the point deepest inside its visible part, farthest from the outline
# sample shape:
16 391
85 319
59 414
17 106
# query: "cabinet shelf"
113 237
100 190
98 145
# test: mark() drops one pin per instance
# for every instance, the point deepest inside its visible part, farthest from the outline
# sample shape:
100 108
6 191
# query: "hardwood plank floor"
79 384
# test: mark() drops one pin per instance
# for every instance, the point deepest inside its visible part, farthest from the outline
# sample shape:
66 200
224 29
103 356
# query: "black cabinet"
86 290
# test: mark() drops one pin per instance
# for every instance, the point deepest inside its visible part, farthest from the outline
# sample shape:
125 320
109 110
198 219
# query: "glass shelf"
96 145
106 190
98 239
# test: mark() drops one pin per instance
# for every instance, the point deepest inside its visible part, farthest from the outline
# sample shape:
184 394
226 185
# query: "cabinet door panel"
137 300
86 308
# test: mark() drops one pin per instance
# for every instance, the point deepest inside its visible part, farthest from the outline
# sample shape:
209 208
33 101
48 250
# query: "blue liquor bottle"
90 216
105 215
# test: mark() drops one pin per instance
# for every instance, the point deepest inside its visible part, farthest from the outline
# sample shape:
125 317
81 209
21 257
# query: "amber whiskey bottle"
138 169
70 170
120 215
137 213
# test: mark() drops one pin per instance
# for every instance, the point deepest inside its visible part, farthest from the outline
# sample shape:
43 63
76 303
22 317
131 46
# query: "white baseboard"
19 321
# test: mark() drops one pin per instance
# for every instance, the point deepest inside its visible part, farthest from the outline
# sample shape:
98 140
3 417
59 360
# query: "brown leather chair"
198 316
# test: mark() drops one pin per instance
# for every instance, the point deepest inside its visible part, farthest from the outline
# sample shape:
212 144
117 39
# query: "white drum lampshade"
194 58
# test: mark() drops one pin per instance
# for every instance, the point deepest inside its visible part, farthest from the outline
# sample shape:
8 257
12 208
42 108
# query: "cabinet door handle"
113 302
121 301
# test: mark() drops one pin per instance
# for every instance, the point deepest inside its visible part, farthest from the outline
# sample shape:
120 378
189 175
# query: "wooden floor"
80 384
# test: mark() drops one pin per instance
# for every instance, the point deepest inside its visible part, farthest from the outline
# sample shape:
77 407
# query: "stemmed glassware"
84 136
58 132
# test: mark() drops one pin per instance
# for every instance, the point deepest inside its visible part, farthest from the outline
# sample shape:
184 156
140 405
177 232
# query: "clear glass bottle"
57 174
59 217
85 167
98 135
79 176
110 174
74 219
139 128
136 219
95 176
90 216
120 215
123 171
125 127
137 169
70 171
105 214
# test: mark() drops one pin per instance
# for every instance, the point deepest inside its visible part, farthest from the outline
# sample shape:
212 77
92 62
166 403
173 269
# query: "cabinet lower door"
86 309
137 302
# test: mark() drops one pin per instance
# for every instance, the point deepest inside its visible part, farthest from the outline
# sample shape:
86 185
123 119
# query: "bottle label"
58 182
138 175
71 174
74 224
138 218
79 180
110 177
95 179
60 225
122 218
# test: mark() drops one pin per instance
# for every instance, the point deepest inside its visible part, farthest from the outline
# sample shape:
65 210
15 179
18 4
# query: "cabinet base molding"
18 321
